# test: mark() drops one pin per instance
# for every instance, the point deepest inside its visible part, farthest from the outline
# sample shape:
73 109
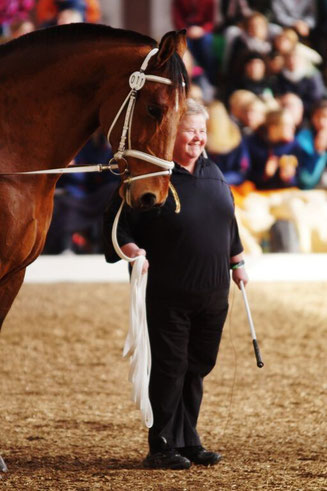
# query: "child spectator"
294 105
248 111
254 36
294 77
287 41
237 101
225 144
313 141
275 154
253 75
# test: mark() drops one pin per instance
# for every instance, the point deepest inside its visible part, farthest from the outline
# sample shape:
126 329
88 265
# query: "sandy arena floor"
68 424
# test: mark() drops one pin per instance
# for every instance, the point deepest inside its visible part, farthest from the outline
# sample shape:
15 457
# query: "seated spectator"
55 12
247 110
294 105
254 36
287 41
253 76
313 141
80 199
294 77
21 27
237 101
275 154
15 13
198 77
231 13
301 16
198 19
225 144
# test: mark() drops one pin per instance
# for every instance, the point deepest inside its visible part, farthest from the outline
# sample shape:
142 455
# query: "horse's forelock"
177 73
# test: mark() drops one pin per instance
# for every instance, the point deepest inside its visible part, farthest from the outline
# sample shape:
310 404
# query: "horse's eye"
155 112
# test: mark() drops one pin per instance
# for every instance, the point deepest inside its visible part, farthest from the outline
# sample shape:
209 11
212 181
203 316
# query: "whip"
252 330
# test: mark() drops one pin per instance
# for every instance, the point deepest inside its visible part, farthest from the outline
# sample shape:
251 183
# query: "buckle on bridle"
113 164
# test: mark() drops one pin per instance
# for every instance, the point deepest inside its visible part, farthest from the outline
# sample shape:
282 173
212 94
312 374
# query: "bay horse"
57 86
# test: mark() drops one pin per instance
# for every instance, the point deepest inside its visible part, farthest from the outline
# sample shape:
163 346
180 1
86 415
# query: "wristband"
238 265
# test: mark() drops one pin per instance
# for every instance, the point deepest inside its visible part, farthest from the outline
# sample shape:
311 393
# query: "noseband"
136 82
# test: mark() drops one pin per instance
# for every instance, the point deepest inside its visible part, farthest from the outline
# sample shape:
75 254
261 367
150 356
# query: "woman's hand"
133 250
239 275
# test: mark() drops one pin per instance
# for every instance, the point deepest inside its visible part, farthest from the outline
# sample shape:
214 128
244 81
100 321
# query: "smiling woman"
192 136
190 256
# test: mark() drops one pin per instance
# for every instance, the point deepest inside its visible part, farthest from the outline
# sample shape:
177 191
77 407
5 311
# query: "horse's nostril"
148 200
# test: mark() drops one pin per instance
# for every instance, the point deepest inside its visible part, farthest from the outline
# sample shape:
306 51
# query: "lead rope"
137 343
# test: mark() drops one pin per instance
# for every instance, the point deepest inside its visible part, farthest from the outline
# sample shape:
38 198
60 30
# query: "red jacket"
186 13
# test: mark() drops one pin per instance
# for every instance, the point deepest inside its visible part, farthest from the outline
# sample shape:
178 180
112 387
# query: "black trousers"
185 332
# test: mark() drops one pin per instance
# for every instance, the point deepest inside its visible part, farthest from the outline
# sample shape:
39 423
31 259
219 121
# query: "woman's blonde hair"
194 107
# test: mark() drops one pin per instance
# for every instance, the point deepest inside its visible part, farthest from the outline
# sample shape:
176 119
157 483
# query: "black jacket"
189 251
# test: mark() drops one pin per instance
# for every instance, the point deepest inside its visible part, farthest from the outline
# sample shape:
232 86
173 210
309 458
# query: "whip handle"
257 353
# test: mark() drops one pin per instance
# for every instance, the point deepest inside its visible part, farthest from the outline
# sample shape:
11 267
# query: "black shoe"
200 455
168 459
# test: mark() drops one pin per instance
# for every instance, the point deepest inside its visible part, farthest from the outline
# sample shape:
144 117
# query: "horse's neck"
52 112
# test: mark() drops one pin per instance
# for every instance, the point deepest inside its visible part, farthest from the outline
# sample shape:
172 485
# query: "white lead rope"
137 344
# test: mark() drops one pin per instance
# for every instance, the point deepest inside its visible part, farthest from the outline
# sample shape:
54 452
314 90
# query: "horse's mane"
85 32
82 31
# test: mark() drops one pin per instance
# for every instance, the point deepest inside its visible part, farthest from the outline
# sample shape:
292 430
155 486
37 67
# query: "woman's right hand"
132 250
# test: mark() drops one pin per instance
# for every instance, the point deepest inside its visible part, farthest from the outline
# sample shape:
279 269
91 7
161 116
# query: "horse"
59 85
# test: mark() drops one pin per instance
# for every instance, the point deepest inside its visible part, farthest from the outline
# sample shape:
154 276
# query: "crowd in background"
260 68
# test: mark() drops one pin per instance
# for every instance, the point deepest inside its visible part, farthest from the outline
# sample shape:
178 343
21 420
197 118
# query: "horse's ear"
172 42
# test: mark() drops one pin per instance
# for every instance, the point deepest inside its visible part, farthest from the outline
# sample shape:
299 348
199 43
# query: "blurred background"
259 67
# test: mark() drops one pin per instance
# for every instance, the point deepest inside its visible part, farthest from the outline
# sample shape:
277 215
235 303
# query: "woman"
190 256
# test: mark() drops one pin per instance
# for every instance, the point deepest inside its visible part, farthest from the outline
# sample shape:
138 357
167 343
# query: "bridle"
136 81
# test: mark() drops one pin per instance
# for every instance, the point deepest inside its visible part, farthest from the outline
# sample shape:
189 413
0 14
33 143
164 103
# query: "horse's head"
160 96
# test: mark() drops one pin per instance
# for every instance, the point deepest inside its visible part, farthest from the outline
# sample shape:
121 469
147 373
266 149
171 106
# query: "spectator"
287 41
54 12
231 13
80 199
254 36
313 141
294 105
226 146
298 14
275 154
198 18
253 76
248 111
295 78
15 13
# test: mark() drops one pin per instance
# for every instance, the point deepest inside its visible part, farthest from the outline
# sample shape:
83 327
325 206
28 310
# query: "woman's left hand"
239 275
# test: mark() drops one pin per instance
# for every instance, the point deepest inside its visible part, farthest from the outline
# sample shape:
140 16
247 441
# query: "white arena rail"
94 269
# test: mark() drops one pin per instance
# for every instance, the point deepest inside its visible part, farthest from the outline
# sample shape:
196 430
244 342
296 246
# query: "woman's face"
191 139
